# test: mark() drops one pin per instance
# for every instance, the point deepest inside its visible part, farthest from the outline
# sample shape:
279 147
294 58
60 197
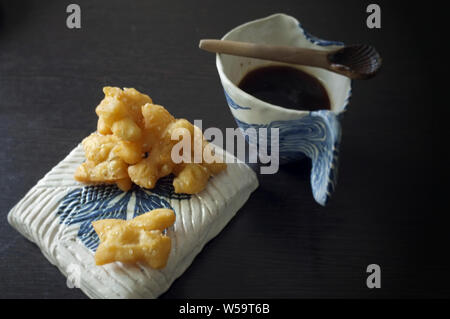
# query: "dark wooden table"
281 243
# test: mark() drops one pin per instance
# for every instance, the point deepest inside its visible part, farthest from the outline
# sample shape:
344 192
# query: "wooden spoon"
355 61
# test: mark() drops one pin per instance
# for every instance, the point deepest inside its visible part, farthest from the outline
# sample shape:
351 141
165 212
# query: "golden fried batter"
133 144
137 240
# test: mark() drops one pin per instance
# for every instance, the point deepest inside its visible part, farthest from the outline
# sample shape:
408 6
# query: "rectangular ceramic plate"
57 212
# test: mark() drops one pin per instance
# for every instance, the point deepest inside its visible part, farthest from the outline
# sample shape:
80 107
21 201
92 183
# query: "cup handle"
323 152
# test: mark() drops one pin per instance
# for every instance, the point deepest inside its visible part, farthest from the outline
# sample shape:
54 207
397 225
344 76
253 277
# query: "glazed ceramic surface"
314 134
57 213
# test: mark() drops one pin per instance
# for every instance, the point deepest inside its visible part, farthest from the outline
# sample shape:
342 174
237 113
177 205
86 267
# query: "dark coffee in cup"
287 87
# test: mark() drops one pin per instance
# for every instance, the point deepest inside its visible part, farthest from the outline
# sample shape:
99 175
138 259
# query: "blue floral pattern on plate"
84 205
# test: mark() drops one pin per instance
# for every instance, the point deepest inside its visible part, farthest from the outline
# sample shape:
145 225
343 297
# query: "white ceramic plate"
57 212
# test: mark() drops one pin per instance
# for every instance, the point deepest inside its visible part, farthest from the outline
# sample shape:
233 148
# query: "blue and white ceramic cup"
314 134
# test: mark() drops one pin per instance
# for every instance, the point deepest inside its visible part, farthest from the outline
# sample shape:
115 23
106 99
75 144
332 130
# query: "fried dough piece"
137 240
134 142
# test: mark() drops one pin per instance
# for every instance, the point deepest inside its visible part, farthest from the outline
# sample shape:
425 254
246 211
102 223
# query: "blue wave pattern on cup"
233 105
315 40
86 204
317 136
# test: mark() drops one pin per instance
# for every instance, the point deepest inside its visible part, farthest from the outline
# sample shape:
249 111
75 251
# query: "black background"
281 244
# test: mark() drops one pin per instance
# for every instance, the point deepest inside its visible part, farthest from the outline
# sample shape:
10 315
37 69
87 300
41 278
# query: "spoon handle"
311 57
